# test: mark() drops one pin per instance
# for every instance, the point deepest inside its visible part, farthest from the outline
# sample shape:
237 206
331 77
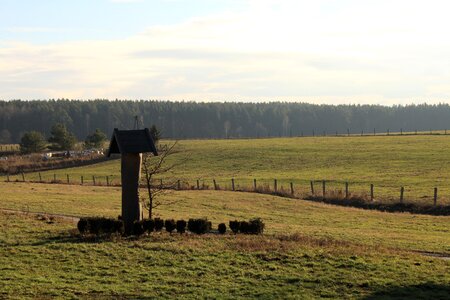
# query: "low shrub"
100 225
256 226
159 224
199 226
83 226
235 226
170 225
138 228
181 226
222 228
148 225
244 226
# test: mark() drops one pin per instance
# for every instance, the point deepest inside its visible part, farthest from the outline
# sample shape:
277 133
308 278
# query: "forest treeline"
215 120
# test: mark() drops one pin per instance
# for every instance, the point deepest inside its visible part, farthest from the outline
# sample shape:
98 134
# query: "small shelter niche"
131 144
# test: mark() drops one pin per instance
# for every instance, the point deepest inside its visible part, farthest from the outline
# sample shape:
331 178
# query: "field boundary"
328 197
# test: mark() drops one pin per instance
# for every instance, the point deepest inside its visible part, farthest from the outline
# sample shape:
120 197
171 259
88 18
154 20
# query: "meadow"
309 250
418 163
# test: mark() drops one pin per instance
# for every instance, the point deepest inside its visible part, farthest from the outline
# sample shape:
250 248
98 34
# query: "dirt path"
69 218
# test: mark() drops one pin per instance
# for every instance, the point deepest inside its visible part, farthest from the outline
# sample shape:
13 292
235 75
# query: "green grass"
419 163
396 230
309 250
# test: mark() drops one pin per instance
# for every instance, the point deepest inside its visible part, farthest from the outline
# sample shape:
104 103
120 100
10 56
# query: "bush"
170 225
256 226
148 225
181 226
222 228
159 224
99 225
83 226
199 226
244 226
235 226
138 228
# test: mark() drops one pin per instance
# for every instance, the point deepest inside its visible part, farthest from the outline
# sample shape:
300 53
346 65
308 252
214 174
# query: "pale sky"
318 51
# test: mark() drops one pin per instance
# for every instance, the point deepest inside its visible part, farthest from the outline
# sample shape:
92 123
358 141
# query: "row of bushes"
99 225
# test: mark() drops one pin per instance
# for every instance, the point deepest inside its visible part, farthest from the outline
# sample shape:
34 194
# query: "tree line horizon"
183 120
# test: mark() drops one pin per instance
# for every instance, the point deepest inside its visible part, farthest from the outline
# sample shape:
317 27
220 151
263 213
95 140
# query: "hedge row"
100 225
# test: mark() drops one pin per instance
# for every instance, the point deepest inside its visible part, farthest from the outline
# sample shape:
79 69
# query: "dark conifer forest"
182 120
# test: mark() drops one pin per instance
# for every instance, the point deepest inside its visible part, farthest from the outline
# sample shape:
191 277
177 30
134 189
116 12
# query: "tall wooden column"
131 173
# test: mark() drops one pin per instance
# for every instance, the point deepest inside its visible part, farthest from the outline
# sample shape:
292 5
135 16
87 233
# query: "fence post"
254 184
232 184
346 190
198 184
40 177
275 185
107 180
371 192
82 181
323 189
402 190
7 177
215 185
93 179
388 132
23 177
348 132
312 187
292 189
68 179
435 196
362 132
161 183
374 132
54 177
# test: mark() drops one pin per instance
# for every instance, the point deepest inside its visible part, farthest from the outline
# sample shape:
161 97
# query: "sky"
321 51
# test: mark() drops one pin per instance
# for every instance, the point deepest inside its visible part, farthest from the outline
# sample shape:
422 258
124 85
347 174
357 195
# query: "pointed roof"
132 141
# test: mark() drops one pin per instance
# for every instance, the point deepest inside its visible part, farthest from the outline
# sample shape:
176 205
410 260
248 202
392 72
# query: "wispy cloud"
289 50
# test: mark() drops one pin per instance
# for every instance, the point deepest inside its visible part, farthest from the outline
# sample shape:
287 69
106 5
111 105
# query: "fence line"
292 191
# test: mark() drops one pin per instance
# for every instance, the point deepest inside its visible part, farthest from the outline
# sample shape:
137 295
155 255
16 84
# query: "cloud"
290 50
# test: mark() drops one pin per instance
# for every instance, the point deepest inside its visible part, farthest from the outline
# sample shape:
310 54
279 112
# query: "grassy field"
419 163
309 250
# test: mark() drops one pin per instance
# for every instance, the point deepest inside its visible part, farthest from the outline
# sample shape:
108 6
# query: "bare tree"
153 167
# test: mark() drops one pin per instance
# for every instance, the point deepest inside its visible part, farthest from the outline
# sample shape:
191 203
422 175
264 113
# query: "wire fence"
301 189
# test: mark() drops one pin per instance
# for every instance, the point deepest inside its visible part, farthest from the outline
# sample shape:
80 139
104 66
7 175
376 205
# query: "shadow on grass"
420 291
76 238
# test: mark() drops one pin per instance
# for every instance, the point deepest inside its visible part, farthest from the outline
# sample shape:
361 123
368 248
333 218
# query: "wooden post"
131 164
40 177
68 179
93 179
348 132
198 184
232 184
388 132
362 132
346 190
374 132
275 185
292 189
23 177
371 192
435 196
54 177
107 180
215 185
401 131
312 187
7 177
82 181
336 133
254 184
402 190
323 189
160 183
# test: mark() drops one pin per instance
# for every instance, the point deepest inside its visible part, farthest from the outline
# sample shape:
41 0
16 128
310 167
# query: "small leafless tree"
156 166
